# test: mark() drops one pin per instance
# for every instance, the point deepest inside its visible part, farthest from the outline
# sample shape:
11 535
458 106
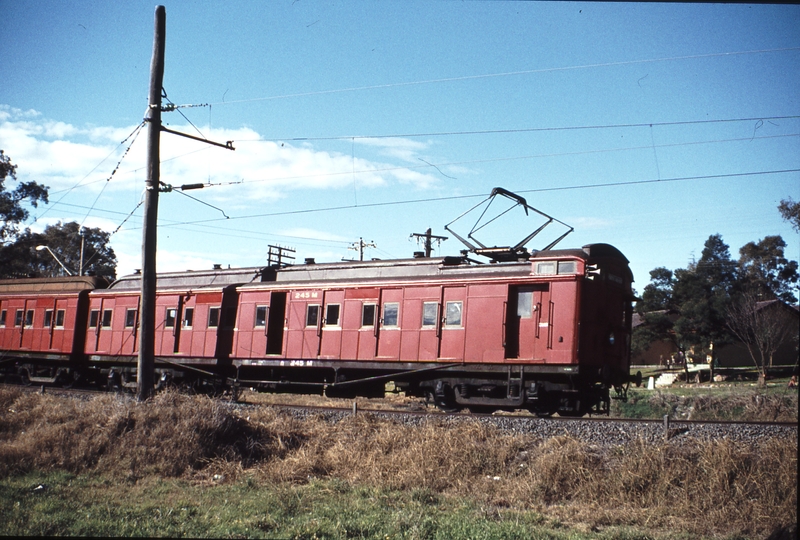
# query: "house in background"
660 352
666 353
736 354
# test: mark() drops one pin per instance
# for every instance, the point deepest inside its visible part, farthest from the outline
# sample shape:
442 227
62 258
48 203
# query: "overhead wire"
457 197
135 134
509 158
494 75
525 130
512 158
80 182
172 106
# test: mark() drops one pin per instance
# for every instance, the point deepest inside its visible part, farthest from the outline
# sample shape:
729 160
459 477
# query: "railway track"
599 431
602 431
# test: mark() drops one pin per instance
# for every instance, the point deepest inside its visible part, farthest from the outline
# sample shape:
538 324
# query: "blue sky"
646 126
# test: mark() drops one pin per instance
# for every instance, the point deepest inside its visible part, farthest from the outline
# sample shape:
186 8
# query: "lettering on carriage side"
301 363
299 295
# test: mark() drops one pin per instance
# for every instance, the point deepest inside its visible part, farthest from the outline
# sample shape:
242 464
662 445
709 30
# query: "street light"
40 248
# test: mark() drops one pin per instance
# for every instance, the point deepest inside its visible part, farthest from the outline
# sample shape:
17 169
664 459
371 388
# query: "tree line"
717 300
62 249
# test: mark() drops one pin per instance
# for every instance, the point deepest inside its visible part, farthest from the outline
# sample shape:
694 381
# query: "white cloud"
64 156
396 147
77 163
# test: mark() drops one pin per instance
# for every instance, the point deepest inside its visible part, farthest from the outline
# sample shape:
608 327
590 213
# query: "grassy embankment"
189 466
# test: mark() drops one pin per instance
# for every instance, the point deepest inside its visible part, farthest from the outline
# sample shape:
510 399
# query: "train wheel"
444 398
24 377
69 379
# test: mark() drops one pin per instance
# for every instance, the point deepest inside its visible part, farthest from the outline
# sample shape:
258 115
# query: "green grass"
88 505
712 401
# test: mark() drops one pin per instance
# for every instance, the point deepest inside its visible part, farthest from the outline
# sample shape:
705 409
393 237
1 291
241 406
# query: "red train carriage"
195 314
42 326
550 333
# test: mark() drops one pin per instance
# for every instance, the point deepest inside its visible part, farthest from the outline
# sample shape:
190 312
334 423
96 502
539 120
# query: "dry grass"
735 488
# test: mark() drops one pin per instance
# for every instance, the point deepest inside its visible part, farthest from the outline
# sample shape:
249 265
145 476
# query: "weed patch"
191 466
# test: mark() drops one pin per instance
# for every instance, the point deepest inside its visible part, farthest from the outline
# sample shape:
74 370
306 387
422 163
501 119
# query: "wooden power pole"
428 236
147 316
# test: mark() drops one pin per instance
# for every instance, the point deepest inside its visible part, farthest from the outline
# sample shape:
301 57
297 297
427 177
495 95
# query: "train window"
312 314
107 318
390 311
546 268
29 318
213 317
453 314
368 315
130 318
430 311
261 316
566 267
48 318
332 314
18 318
169 321
3 318
94 316
188 317
60 318
524 304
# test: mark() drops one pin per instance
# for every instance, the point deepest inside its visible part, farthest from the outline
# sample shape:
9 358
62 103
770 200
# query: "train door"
226 330
24 319
12 316
452 323
330 345
206 319
57 338
40 330
528 322
430 329
103 324
167 324
563 322
305 320
185 320
388 329
5 333
126 332
276 321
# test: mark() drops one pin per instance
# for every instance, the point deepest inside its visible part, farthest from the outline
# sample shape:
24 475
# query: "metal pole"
146 365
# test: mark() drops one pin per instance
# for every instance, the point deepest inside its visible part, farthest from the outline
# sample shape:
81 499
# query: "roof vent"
217 267
419 254
310 260
137 271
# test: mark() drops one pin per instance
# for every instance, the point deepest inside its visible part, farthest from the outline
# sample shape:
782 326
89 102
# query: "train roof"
353 271
195 279
428 267
52 284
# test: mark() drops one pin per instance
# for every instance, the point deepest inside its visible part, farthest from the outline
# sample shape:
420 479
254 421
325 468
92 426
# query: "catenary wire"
458 197
526 130
495 75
